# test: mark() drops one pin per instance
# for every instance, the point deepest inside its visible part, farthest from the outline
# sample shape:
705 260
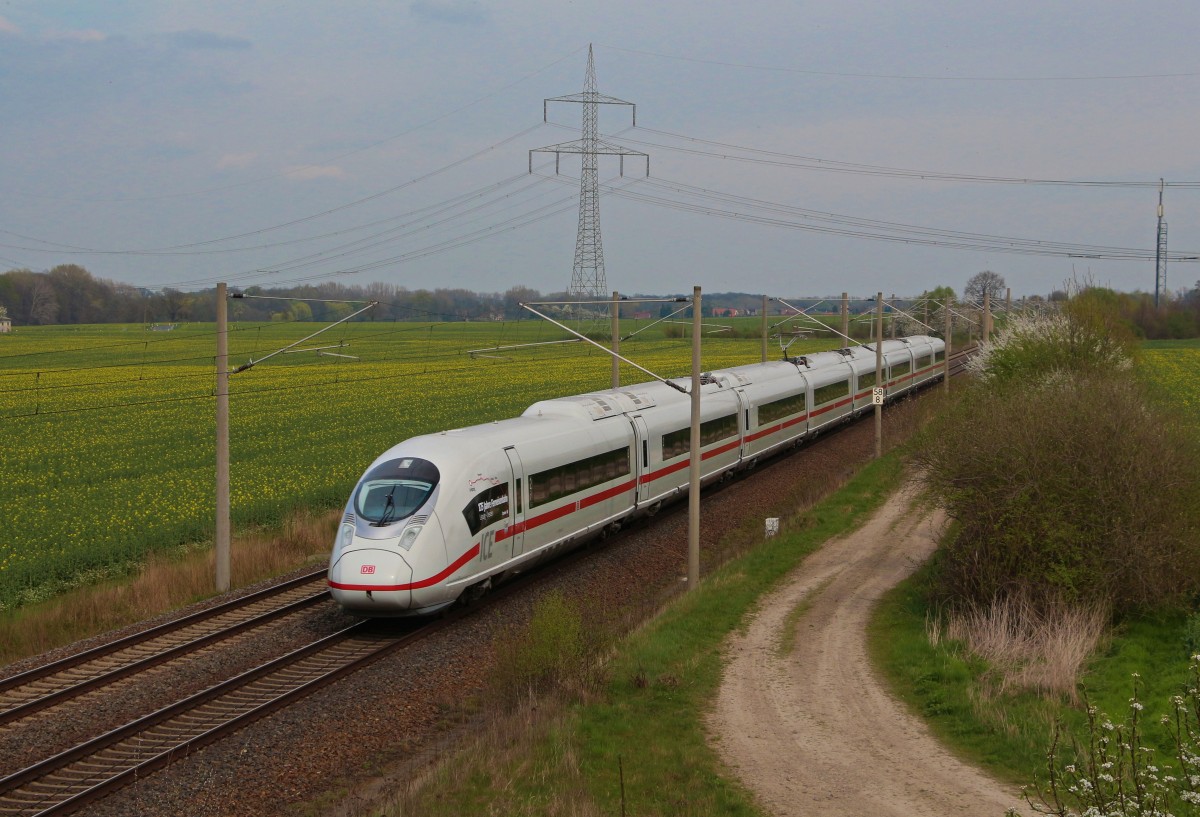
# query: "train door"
517 523
641 438
744 423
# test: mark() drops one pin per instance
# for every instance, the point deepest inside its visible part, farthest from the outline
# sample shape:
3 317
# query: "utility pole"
1160 253
949 333
223 527
693 578
879 374
616 341
987 316
587 274
764 329
846 316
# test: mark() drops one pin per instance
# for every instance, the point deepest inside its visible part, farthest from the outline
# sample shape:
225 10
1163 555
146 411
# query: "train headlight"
409 536
347 537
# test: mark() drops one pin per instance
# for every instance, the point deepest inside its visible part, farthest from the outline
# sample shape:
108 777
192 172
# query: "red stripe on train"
432 580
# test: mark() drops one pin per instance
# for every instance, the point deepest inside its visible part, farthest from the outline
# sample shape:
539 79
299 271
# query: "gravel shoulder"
808 727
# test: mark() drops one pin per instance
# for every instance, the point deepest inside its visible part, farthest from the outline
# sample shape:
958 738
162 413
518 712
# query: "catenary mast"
1160 253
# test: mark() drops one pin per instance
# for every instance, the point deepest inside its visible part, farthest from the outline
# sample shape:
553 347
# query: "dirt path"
812 732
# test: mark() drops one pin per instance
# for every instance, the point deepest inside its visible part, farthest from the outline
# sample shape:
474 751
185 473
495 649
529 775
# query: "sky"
177 144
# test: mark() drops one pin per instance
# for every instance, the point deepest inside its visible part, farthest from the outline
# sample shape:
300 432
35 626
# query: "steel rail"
58 696
81 680
73 778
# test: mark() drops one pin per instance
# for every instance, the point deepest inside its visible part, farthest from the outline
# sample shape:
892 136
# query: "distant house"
5 326
725 312
642 315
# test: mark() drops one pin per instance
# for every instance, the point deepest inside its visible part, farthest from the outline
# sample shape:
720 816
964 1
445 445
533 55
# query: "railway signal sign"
877 396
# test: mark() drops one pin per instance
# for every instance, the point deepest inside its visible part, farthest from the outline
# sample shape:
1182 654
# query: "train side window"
901 369
778 409
939 356
564 480
831 392
519 506
718 429
539 490
645 454
676 443
923 361
866 380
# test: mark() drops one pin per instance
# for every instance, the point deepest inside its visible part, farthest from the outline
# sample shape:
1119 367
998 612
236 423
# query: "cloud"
85 35
207 40
7 27
236 160
308 172
458 12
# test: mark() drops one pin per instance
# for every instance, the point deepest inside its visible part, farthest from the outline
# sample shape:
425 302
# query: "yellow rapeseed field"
1177 369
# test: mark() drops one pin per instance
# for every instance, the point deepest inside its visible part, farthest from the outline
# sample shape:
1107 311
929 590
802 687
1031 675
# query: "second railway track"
28 692
72 779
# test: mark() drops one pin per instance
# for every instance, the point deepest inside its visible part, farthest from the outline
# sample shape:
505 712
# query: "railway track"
69 780
29 692
958 359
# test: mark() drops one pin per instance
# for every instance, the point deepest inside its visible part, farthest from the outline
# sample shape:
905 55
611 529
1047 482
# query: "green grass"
663 679
1187 343
1008 733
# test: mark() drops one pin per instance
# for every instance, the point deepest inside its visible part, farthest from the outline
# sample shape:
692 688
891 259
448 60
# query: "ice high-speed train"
447 514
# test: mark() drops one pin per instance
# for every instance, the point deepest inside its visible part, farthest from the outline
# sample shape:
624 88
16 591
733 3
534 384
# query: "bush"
554 652
1084 337
1068 483
1071 488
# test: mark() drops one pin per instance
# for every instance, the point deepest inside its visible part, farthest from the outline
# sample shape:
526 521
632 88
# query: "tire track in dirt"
812 731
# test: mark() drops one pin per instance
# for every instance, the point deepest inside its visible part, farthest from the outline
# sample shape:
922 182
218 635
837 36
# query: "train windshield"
395 490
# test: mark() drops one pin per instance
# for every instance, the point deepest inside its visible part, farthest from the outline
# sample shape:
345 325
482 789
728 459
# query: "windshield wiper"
389 509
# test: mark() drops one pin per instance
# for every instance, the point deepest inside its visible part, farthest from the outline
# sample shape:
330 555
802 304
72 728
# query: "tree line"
69 294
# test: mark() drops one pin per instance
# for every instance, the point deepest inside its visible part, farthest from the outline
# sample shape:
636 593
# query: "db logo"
368 568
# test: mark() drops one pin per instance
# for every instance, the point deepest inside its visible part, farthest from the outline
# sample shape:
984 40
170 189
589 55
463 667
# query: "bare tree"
43 306
517 295
987 281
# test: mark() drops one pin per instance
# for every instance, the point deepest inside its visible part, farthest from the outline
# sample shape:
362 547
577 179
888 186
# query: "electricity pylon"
587 274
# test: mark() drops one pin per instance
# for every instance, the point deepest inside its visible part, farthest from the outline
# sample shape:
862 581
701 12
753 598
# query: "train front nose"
371 581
